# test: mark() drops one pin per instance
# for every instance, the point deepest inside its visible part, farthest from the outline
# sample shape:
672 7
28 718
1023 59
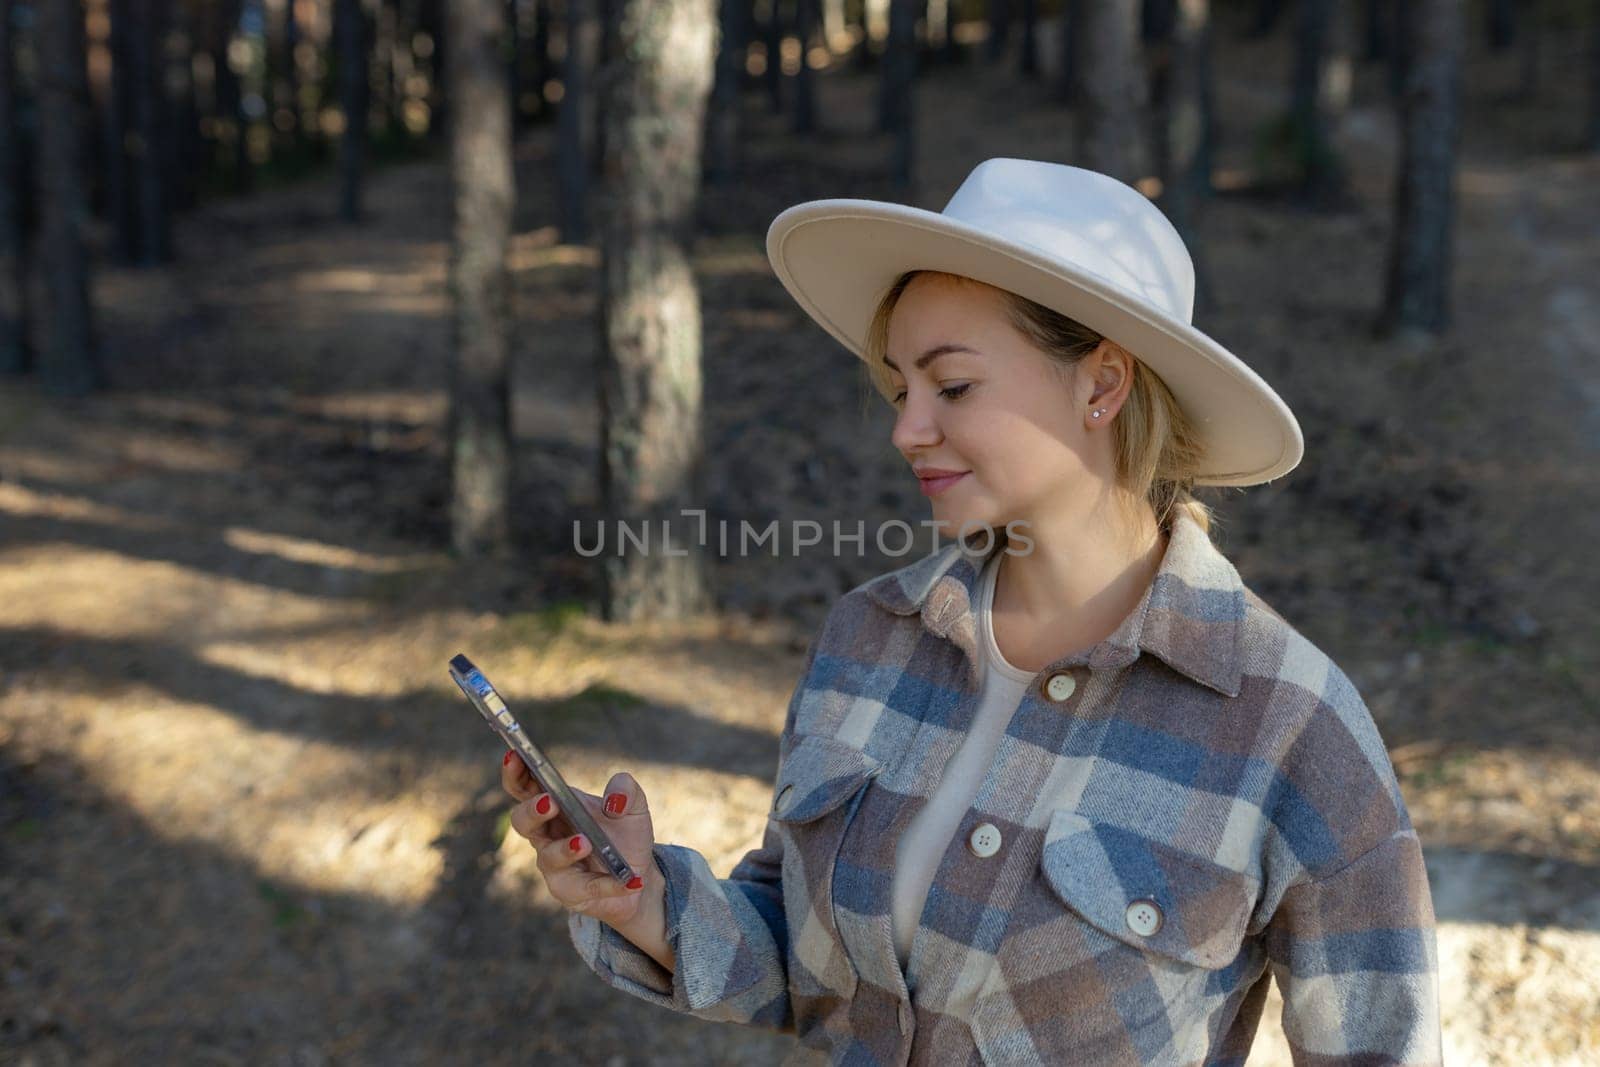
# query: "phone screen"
490 705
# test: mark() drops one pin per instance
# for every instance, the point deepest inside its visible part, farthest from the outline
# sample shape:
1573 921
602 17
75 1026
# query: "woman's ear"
1110 368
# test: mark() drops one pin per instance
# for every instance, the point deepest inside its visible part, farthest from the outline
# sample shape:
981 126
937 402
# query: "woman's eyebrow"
934 353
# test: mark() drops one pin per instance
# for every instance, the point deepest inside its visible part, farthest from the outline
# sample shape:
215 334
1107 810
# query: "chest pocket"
820 782
817 773
1147 894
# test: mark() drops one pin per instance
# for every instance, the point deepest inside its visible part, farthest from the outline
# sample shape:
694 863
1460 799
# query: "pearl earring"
1097 413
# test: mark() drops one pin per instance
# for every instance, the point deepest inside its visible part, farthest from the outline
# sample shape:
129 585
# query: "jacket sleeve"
1355 957
729 936
1348 923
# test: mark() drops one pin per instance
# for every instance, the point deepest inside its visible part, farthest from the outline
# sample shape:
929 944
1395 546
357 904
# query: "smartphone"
493 708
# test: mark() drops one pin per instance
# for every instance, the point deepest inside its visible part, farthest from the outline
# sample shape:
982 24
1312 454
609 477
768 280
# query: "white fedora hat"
1078 242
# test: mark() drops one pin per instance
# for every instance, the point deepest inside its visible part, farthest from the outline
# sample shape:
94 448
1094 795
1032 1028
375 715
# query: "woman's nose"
915 428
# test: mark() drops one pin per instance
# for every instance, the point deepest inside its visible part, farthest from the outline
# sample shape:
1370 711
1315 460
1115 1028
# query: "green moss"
1432 634
1285 151
597 697
25 829
586 718
286 911
1485 645
1445 771
539 628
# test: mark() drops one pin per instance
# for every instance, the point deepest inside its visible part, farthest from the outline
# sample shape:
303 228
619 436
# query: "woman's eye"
955 392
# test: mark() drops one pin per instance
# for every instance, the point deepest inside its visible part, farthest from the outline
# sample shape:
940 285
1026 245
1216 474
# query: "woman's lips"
935 486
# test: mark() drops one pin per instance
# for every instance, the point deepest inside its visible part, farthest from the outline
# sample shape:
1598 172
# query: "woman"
1066 790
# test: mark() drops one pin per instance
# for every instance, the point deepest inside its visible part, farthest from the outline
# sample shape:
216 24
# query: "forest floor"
245 818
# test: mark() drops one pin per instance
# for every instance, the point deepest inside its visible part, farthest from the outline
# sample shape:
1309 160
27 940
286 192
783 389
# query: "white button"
1060 686
905 1018
1144 917
785 797
985 840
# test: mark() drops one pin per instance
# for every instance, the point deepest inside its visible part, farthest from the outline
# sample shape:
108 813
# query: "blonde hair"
1157 450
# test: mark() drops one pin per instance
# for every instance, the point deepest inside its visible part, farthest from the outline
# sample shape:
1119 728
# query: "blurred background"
325 325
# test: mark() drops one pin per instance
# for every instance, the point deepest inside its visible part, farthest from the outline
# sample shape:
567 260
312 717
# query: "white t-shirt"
927 835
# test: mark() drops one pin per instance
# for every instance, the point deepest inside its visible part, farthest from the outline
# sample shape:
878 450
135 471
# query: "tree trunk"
899 91
652 448
1155 21
121 207
67 363
1267 14
1528 65
351 46
1321 96
14 354
1071 46
605 50
152 198
97 50
291 76
999 29
1108 89
1500 24
385 102
1417 296
185 149
514 35
772 34
1028 59
573 130
1594 78
805 95
543 71
431 20
1182 120
724 123
1399 50
1375 29
229 99
953 52
480 281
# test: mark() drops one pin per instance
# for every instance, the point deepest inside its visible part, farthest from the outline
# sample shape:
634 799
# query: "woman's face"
994 409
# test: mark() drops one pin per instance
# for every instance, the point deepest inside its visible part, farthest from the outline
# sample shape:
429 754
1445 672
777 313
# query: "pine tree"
1417 293
480 282
1107 94
652 448
67 362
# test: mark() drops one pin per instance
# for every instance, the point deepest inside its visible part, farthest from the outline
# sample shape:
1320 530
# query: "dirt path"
244 818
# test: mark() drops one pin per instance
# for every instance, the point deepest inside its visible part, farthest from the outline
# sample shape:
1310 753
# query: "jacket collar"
1191 616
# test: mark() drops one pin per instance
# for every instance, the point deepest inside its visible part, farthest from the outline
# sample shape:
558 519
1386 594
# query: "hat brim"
838 258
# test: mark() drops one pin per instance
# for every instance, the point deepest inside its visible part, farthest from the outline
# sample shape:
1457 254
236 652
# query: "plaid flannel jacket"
1206 803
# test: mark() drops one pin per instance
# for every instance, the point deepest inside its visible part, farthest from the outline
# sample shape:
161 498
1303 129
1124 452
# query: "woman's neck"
1074 587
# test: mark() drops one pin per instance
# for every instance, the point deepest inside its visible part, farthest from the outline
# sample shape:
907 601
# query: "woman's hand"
576 885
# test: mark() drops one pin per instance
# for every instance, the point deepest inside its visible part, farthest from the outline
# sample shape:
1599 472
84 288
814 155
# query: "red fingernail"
615 802
636 882
575 843
507 758
543 806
